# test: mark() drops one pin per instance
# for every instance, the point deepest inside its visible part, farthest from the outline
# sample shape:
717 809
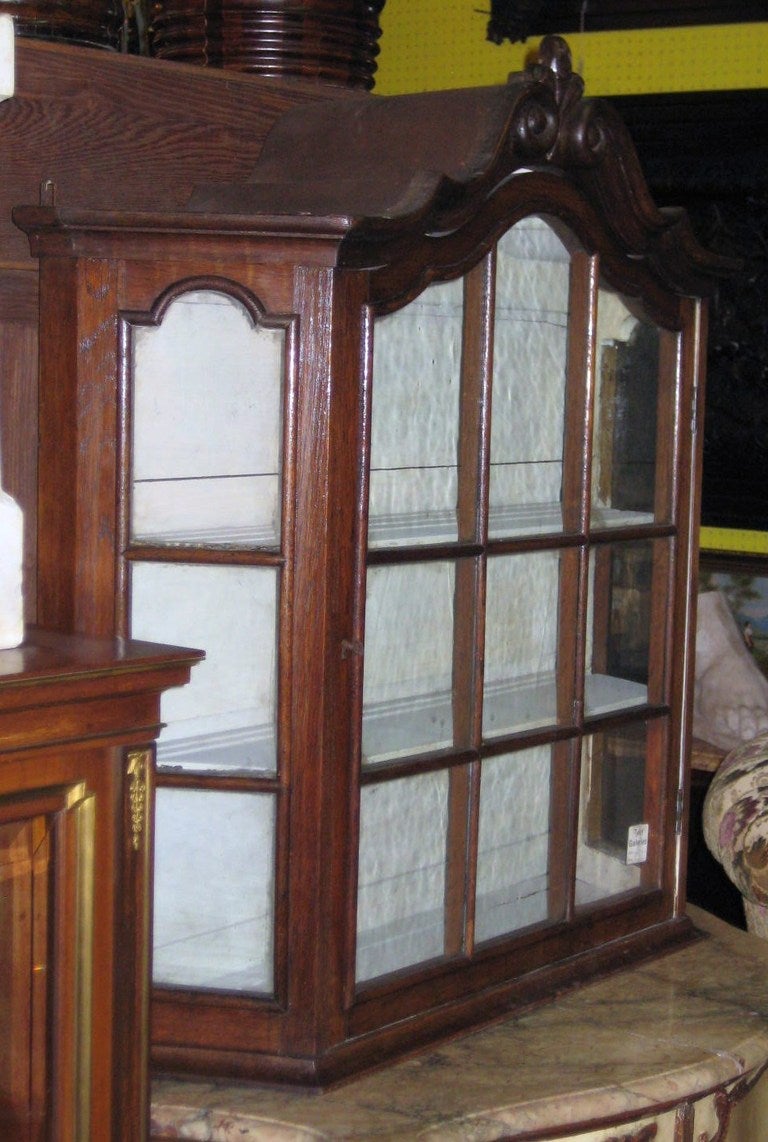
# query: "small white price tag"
637 844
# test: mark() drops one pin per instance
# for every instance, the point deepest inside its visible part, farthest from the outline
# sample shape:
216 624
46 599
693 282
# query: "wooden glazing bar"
417 764
579 387
229 556
668 411
570 638
224 783
563 811
659 648
657 794
469 598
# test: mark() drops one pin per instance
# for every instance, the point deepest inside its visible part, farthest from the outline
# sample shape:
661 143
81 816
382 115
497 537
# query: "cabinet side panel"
78 436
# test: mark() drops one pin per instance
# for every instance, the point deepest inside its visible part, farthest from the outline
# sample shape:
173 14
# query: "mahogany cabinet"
404 431
78 718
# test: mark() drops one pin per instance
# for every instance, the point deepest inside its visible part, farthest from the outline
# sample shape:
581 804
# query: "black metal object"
90 23
517 19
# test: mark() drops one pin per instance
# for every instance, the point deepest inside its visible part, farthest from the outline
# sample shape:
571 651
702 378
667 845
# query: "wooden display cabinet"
404 430
78 718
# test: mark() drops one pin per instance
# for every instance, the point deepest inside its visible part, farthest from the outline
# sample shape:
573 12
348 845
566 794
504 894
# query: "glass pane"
515 843
529 380
614 830
521 643
619 626
407 692
207 411
402 874
415 419
624 469
225 719
214 889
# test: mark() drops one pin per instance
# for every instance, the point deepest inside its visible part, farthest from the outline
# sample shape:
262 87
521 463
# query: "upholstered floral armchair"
736 826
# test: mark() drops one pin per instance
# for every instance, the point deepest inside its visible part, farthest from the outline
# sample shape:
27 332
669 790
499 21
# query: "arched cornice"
405 170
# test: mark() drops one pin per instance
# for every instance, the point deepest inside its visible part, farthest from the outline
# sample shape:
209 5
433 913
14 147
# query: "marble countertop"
672 1028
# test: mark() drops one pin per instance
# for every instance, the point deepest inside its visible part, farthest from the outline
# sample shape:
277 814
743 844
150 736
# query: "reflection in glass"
402 873
26 972
612 814
207 431
225 719
619 630
529 380
513 859
408 659
415 419
626 415
521 642
214 889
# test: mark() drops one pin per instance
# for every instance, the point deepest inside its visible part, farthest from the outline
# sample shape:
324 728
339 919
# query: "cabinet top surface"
47 656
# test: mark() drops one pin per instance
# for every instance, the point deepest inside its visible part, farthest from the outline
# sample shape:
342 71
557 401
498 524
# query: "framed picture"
743 580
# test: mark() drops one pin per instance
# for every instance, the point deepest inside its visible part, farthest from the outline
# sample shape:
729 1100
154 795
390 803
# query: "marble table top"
669 1029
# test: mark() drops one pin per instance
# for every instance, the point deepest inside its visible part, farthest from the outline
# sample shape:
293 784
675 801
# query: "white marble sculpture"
730 693
11 521
11 604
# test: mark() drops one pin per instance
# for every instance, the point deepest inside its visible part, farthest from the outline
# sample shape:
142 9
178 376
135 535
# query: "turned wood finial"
555 55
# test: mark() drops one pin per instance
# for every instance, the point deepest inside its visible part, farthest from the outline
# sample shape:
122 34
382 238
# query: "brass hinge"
679 810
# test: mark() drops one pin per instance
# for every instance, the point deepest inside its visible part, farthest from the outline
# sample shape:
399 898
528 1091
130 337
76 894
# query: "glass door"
206 557
520 545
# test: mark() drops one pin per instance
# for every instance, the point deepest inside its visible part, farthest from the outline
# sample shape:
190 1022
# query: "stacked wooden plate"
335 41
94 23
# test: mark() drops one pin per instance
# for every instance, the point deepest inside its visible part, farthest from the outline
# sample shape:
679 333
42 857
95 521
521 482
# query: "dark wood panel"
125 132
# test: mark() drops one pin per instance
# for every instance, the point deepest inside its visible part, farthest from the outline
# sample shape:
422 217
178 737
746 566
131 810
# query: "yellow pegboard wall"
734 540
431 45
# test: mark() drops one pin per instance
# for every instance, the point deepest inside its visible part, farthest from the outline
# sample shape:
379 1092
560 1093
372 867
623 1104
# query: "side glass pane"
614 821
402 873
529 380
214 889
624 467
521 643
518 883
407 691
225 719
415 419
619 626
207 431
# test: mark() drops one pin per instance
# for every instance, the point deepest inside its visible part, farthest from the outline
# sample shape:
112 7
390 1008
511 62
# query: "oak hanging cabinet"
404 432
